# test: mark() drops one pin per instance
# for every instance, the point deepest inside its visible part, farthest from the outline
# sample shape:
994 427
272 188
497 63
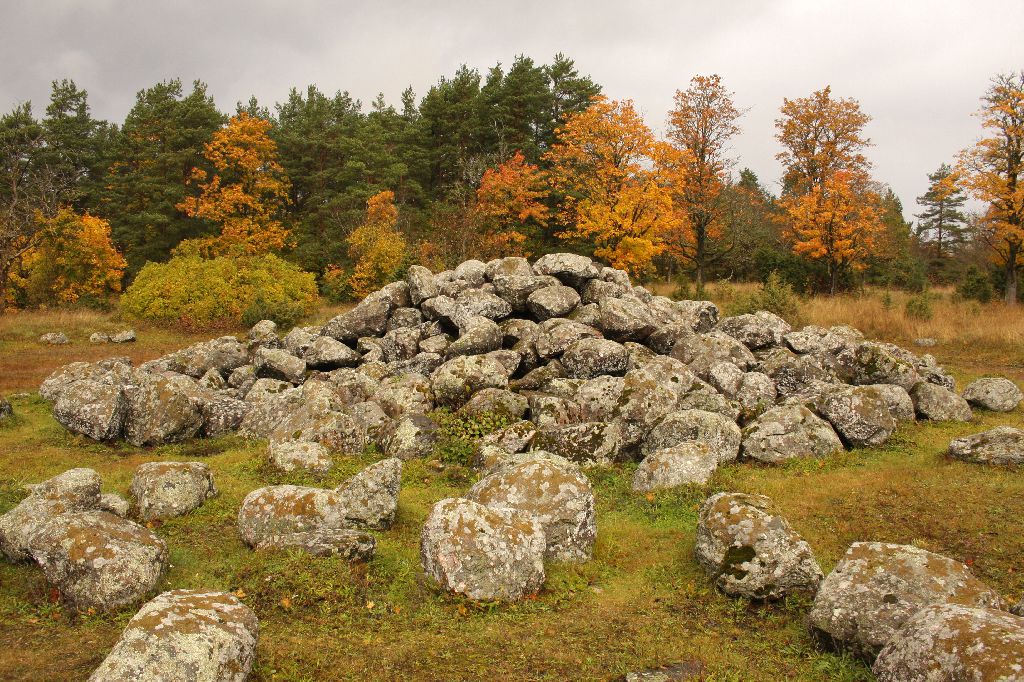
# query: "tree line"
514 161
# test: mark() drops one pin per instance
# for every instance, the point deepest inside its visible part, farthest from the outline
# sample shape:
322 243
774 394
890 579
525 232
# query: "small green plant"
776 296
887 300
975 285
919 307
683 291
458 433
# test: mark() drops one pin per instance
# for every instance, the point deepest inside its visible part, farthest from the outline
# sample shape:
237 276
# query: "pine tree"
76 143
942 225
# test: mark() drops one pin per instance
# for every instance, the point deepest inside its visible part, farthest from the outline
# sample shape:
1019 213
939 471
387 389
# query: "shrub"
195 292
919 307
334 284
459 433
775 295
682 290
887 300
975 285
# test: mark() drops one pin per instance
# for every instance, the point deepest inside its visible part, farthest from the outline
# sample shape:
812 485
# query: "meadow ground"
641 602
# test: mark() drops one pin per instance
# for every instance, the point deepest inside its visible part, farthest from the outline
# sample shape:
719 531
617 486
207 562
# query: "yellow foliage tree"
616 180
74 260
993 171
377 248
246 194
830 211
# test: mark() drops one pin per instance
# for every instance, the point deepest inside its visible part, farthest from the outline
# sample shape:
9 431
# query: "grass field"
641 602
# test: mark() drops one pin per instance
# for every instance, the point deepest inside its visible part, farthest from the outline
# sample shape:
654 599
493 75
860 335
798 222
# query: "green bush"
919 307
975 285
775 295
200 293
682 291
458 434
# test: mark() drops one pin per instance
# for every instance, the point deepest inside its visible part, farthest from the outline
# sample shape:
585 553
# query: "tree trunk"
833 278
1010 293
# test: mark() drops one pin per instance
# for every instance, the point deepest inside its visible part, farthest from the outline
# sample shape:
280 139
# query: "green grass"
641 602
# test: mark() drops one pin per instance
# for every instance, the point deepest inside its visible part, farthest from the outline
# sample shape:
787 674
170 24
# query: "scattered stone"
875 589
556 495
98 560
345 543
925 342
472 550
166 489
938 403
993 393
99 337
751 551
54 338
6 410
126 336
679 672
208 635
671 467
72 491
1000 446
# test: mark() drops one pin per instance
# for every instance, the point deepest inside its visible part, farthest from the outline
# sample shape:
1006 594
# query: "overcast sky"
917 68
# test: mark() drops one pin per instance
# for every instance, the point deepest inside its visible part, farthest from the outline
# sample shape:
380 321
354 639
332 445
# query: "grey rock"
859 414
401 344
751 551
224 354
551 410
590 357
223 414
297 341
555 336
458 379
184 635
93 409
477 335
166 489
671 467
72 491
721 435
161 410
345 543
937 403
701 316
901 407
509 266
289 455
370 497
410 437
572 269
403 395
552 301
758 330
99 337
787 432
54 339
484 303
993 393
703 351
324 353
496 401
421 284
1000 446
516 289
584 443
625 319
115 504
404 318
277 363
599 397
263 334
472 550
650 392
876 588
878 363
369 318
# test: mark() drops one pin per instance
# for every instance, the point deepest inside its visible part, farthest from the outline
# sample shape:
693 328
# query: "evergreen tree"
154 153
76 143
571 93
942 224
449 116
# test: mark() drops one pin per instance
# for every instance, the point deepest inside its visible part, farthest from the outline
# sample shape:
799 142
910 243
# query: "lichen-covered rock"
422 284
167 489
277 363
993 393
289 455
516 289
1001 446
552 301
222 414
690 671
345 543
700 316
458 379
401 344
721 435
54 339
371 496
223 354
554 337
626 319
496 401
568 267
161 410
584 443
598 397
787 432
701 352
115 504
793 374
6 410
411 436
504 267
671 467
63 377
99 337
876 587
410 393
751 551
477 335
94 409
901 407
481 553
185 635
557 495
649 392
879 363
324 353
98 560
756 330
937 403
369 318
72 491
589 358
859 414
951 643
484 304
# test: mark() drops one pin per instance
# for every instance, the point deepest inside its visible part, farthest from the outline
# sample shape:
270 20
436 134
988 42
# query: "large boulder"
953 643
751 551
422 284
553 301
568 267
344 543
277 363
162 410
477 335
589 358
701 352
224 354
880 363
369 318
184 635
719 433
166 489
72 491
993 393
411 436
289 455
938 403
788 432
470 549
859 414
649 392
626 319
92 408
554 337
1001 445
324 353
876 587
371 496
98 560
555 494
458 379
584 443
758 330
687 462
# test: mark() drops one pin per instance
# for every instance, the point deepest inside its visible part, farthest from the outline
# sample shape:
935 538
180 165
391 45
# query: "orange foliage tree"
616 184
830 211
993 171
510 199
702 124
246 194
376 247
75 260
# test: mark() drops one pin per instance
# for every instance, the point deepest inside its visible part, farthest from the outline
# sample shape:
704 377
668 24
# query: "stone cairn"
593 371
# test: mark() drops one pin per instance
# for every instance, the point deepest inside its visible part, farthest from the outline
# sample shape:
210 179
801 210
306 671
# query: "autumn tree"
615 180
246 191
702 124
994 173
511 198
942 223
376 248
832 214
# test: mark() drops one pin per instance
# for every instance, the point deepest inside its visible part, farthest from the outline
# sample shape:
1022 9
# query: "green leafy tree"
942 225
